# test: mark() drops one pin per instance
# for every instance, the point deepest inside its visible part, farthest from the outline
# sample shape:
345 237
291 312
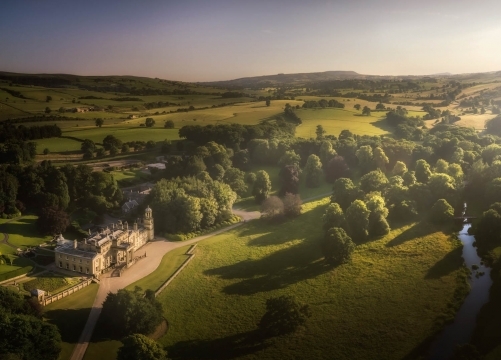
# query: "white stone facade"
115 246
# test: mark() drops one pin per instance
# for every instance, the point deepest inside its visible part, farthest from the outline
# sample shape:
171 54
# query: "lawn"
393 295
70 315
169 265
130 177
23 232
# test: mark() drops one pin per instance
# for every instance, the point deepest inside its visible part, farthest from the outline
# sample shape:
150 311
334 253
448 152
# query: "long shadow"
416 231
449 263
229 347
69 321
275 271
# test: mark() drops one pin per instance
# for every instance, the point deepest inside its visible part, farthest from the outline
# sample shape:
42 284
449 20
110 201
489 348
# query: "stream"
461 330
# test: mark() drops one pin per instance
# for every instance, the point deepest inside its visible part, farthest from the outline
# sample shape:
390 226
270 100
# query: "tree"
272 208
326 152
357 106
149 122
289 179
422 171
235 178
99 122
313 171
289 158
320 132
441 212
292 205
52 221
366 111
380 106
111 141
378 226
47 110
373 181
284 314
48 98
268 102
333 217
100 152
28 337
125 148
337 246
88 146
130 312
46 151
380 159
137 346
344 192
399 169
364 156
262 186
169 124
357 219
336 168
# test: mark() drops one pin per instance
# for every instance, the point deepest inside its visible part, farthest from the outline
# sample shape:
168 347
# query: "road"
155 251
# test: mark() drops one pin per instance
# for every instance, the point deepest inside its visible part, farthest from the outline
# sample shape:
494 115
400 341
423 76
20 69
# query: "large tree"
52 221
333 217
137 346
262 186
313 171
337 246
131 312
289 179
357 218
284 314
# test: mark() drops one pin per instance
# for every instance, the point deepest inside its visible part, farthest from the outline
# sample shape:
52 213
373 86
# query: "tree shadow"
70 322
418 230
275 271
449 263
229 347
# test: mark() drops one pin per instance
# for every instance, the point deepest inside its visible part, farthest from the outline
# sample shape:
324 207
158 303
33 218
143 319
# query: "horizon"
195 41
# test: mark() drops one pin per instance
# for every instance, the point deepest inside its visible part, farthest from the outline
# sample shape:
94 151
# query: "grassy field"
70 315
23 232
170 263
50 282
394 294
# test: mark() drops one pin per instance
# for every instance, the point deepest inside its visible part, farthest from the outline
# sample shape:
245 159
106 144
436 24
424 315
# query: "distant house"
129 206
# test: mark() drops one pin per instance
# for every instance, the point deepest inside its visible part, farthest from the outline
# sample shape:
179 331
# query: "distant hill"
290 79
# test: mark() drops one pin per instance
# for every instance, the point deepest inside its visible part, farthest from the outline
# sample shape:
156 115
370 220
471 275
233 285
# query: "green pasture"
395 293
70 315
23 232
125 133
336 120
130 176
169 265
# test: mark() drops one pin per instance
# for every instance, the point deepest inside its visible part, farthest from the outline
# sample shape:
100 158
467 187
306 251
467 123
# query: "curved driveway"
155 251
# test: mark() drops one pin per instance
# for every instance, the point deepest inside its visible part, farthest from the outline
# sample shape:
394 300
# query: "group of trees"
23 133
23 332
49 191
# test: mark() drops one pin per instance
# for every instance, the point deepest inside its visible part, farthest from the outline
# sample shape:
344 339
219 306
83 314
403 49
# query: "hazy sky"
203 40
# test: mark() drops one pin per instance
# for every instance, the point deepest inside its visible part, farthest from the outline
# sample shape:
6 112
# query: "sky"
209 40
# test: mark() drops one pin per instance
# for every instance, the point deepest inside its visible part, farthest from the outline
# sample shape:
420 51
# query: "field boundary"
191 255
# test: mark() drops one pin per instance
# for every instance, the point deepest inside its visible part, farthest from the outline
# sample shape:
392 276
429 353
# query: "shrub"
284 314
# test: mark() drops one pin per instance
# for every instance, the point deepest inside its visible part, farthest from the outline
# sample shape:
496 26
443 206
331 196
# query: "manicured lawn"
50 282
170 263
125 177
6 249
23 232
393 295
70 315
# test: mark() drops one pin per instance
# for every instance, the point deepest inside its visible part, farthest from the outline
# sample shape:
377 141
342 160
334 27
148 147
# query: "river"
461 330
